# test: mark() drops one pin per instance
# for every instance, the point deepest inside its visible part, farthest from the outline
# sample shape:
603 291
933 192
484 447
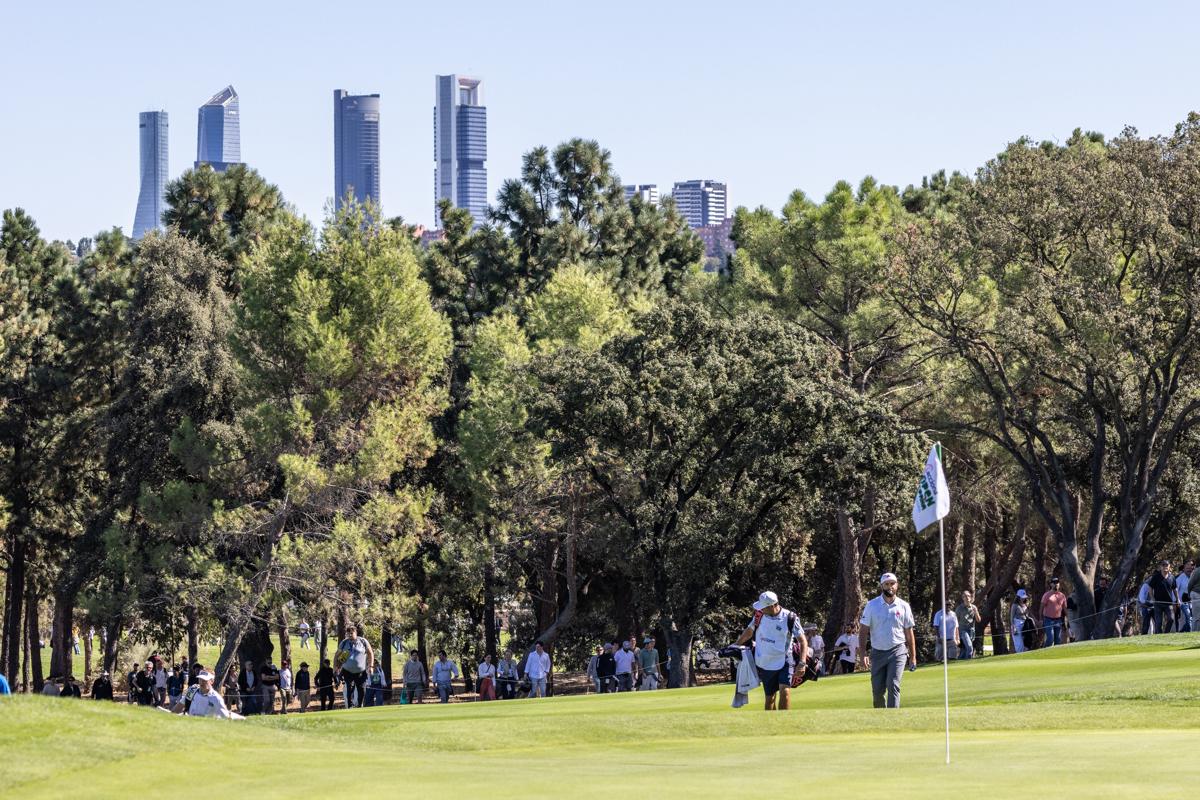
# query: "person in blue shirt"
4 685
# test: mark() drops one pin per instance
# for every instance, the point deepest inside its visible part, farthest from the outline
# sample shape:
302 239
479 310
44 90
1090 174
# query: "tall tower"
152 191
355 146
219 131
701 202
459 146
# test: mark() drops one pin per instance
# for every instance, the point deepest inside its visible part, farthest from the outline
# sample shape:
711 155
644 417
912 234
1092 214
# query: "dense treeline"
552 424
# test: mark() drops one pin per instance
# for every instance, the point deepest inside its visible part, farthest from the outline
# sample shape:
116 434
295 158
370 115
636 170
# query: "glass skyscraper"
152 136
355 147
701 202
459 146
219 131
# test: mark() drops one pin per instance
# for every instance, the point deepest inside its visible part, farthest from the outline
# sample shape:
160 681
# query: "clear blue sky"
767 96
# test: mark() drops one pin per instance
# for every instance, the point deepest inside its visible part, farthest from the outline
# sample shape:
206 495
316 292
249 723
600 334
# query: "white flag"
933 496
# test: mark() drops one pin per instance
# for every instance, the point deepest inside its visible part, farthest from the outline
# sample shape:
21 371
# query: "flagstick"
942 633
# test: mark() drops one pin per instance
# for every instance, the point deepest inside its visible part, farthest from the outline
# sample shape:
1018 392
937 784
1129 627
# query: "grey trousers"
887 667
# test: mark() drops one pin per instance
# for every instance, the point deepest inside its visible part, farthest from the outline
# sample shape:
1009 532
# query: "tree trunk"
323 639
966 581
34 656
15 632
847 600
62 660
111 636
385 658
680 640
489 609
285 640
343 615
87 658
193 634
422 651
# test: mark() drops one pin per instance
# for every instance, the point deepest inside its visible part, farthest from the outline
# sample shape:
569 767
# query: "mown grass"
1082 720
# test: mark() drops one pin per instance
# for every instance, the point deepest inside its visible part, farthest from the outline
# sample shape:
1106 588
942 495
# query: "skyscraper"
701 202
152 136
647 191
355 147
459 146
219 131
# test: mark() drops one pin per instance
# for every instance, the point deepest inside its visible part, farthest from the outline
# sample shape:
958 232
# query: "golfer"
773 628
887 625
207 701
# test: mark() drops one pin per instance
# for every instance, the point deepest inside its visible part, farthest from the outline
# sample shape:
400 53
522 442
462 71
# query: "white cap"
887 576
1022 593
205 676
766 600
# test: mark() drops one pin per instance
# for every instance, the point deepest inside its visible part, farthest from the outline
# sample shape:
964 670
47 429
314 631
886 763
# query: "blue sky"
767 96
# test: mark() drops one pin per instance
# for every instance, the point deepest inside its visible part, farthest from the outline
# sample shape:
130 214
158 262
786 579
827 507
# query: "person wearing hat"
887 628
647 660
102 688
303 686
1018 616
773 628
1054 614
207 701
816 645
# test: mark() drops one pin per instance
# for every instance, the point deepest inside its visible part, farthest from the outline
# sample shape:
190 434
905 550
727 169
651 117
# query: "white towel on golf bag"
747 678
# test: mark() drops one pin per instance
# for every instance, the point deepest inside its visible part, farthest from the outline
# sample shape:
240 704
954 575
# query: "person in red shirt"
1054 614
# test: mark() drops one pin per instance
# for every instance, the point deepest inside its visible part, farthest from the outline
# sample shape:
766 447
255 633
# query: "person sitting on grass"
845 647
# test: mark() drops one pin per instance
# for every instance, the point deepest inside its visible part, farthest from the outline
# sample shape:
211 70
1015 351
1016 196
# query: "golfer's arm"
745 637
864 641
803 651
912 645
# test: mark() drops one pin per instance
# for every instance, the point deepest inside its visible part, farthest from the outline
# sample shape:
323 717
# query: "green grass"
1095 720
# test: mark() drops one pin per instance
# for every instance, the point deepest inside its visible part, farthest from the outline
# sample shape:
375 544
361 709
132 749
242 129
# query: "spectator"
507 675
145 685
359 658
269 677
4 687
51 688
305 634
816 646
175 685
375 686
846 648
486 672
1182 582
624 672
102 688
945 640
232 692
70 687
1145 606
415 678
1019 616
160 683
303 686
1162 595
444 671
647 659
285 685
250 690
968 616
593 663
606 669
537 670
131 683
324 679
1054 613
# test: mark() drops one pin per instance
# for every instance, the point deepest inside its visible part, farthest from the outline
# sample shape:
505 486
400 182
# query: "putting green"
1081 720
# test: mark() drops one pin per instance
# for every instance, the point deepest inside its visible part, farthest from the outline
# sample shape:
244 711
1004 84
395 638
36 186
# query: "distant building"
717 244
459 146
219 131
647 191
701 202
429 236
355 147
152 185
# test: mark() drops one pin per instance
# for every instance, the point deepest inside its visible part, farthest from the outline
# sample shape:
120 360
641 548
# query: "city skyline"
820 94
219 131
460 146
154 171
356 147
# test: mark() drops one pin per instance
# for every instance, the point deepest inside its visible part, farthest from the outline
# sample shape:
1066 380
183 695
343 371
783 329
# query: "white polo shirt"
888 622
773 639
207 705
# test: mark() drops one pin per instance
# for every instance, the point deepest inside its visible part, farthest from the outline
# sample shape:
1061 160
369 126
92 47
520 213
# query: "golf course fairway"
1095 720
